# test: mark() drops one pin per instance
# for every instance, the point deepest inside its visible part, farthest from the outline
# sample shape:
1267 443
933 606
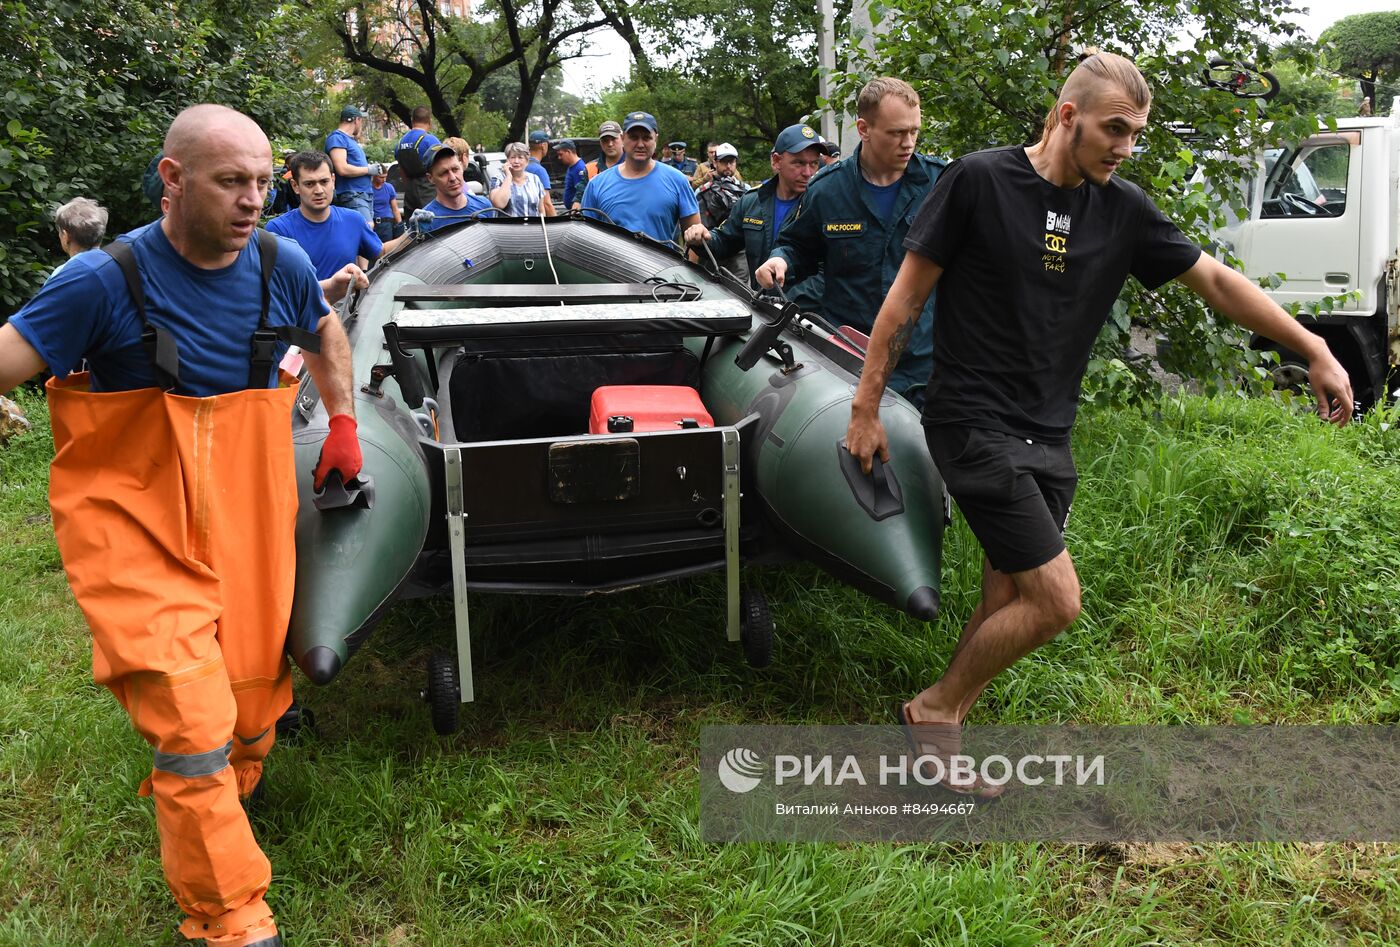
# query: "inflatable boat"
563 407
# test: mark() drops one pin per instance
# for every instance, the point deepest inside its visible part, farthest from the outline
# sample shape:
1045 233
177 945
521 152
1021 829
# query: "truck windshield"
1305 182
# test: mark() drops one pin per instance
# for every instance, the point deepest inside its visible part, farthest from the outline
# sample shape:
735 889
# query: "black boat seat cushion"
547 394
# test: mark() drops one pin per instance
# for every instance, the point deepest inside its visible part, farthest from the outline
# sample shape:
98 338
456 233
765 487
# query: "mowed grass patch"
1238 562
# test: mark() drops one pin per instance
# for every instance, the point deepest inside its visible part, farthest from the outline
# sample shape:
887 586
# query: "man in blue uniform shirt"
643 194
539 147
417 189
331 236
352 169
575 172
852 221
453 203
191 676
679 161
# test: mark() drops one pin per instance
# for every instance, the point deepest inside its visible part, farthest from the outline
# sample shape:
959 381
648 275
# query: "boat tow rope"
549 256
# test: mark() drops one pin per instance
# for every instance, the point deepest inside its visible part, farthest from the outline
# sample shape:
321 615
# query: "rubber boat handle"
879 493
338 495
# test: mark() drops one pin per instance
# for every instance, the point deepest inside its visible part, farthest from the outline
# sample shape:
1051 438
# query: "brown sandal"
944 741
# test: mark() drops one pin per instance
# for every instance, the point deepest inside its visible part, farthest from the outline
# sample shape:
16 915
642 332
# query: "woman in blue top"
520 193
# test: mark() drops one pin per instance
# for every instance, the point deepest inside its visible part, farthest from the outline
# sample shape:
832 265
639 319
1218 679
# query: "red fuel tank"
640 408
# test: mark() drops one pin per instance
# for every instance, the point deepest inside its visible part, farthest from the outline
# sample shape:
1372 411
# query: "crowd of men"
1028 247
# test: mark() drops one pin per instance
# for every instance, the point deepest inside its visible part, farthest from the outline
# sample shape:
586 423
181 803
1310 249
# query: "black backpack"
406 154
717 198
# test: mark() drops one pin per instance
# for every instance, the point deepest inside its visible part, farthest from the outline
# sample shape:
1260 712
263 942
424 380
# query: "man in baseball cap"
642 194
539 147
352 170
575 172
452 202
610 141
678 159
754 222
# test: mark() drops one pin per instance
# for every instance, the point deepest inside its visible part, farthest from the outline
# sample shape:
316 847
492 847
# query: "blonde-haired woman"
520 193
471 171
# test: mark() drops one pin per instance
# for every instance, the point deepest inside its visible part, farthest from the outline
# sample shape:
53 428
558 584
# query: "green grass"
1239 564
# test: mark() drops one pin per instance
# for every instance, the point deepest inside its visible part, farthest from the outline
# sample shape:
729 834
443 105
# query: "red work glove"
340 451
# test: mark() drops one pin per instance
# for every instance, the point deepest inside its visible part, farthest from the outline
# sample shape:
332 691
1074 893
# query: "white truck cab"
1325 213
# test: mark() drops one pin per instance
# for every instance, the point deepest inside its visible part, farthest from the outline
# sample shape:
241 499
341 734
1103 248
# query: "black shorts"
1014 493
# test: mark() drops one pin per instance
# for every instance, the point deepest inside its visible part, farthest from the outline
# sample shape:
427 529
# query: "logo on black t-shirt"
1056 241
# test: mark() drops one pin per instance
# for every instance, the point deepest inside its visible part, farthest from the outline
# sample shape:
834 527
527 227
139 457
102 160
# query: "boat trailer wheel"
444 693
295 723
755 628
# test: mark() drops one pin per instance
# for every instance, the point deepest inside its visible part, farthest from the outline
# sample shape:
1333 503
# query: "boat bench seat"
417 328
443 295
530 371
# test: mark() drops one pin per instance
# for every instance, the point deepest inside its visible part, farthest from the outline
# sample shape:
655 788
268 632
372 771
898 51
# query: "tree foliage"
1311 91
989 70
1366 46
404 52
741 72
92 86
738 73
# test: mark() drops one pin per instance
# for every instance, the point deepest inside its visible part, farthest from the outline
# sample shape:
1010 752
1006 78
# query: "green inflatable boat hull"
880 534
890 548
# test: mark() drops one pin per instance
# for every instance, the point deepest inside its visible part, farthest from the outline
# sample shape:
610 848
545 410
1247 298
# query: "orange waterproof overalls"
176 517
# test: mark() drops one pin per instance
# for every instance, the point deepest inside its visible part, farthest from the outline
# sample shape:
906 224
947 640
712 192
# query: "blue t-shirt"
653 204
384 196
354 155
781 208
422 142
333 242
884 197
444 215
573 182
537 169
86 312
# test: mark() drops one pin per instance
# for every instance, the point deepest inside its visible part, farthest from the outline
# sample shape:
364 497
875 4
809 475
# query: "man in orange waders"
174 494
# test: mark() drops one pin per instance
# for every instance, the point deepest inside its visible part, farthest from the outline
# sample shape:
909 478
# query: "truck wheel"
755 628
1291 375
444 693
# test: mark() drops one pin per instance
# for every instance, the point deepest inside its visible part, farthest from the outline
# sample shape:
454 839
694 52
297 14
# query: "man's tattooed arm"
902 333
899 340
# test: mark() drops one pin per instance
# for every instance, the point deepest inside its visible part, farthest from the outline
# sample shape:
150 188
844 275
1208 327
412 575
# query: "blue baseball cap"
644 119
566 144
797 138
538 137
439 151
352 112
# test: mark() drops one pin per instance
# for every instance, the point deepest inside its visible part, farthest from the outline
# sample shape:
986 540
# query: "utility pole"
841 127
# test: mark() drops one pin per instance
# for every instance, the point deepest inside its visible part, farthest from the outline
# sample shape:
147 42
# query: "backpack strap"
265 338
418 145
159 344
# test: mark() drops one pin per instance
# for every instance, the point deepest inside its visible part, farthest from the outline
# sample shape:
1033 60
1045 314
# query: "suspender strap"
159 344
265 338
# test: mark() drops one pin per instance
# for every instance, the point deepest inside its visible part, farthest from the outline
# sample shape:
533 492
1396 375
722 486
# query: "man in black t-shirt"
1029 247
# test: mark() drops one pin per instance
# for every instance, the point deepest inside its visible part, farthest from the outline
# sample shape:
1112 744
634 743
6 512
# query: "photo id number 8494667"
938 808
